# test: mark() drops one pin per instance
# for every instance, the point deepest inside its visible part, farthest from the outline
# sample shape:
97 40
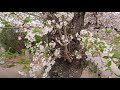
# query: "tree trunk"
75 26
77 22
73 67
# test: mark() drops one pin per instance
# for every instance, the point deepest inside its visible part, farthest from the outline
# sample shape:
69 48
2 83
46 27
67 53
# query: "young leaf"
5 23
45 55
116 40
108 31
37 30
38 38
102 49
116 55
86 41
95 41
109 64
26 68
26 20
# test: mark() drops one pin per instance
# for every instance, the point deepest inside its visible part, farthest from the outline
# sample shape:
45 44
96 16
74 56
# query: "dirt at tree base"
61 69
11 72
77 69
86 73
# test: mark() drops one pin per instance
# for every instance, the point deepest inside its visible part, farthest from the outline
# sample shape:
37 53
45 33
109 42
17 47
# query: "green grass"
23 60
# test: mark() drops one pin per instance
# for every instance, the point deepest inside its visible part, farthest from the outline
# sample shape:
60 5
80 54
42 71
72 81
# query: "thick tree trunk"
73 67
75 26
77 22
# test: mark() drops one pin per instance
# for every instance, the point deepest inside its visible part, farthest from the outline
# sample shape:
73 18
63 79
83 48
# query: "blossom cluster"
41 52
104 19
97 50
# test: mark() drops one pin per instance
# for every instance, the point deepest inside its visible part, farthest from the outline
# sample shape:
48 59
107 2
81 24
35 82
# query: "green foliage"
38 38
48 25
36 30
25 67
9 55
23 51
102 48
23 60
109 64
116 55
95 35
94 52
108 31
45 55
85 42
116 40
26 20
90 46
4 22
9 39
95 41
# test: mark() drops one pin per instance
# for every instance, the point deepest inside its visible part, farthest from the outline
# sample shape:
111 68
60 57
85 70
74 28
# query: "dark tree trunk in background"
77 22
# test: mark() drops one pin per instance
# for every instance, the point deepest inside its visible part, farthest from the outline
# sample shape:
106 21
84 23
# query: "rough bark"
63 69
75 26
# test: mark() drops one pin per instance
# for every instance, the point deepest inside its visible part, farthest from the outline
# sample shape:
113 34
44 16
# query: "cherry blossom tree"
52 35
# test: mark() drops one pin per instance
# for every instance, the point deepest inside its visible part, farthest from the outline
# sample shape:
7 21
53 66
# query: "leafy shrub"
9 40
23 60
